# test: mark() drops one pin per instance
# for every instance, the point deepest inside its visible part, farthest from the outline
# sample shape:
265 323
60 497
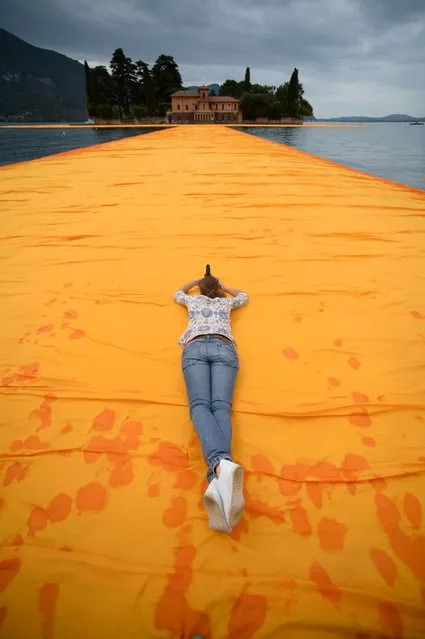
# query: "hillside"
394 117
37 84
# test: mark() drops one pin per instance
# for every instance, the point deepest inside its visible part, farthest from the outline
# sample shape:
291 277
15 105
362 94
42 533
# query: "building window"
178 107
222 107
186 107
195 106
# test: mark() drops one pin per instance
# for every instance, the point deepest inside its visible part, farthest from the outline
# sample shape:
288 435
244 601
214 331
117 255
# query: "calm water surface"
17 145
395 151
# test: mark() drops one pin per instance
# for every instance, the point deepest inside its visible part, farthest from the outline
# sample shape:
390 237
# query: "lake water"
391 150
395 151
18 145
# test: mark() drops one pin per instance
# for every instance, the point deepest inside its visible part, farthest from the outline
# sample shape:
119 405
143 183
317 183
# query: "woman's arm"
231 291
239 298
187 287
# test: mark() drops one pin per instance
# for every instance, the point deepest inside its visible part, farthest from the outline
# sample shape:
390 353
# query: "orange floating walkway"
102 529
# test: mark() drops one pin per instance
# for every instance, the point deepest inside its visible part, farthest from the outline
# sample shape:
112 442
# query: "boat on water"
416 123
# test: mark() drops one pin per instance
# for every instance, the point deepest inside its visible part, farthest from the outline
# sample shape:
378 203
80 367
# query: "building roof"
189 93
194 93
222 98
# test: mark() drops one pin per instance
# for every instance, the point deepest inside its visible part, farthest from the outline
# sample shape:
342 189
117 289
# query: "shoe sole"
237 501
216 519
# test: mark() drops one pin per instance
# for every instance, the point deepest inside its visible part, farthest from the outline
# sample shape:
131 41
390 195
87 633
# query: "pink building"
195 105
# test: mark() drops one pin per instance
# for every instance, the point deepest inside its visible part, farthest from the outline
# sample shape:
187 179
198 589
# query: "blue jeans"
210 366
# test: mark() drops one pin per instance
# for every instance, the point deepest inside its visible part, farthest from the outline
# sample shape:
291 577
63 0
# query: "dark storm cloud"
354 56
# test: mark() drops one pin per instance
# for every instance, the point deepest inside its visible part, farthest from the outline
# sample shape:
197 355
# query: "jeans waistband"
212 336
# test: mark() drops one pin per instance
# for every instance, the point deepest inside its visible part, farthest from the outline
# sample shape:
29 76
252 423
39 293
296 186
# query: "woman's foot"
214 505
230 487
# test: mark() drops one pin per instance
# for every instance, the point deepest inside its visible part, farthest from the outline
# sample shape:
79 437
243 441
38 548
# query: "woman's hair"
210 287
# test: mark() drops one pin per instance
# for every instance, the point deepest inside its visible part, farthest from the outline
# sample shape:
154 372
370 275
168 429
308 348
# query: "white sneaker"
214 506
230 487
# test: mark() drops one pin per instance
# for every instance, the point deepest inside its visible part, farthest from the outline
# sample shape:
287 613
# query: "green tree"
139 89
148 89
162 109
232 88
306 109
255 105
123 74
102 86
247 83
166 78
99 88
274 110
140 111
299 106
282 96
89 90
260 88
294 94
105 111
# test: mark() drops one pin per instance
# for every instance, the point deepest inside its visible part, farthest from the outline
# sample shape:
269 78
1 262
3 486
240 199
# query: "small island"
134 93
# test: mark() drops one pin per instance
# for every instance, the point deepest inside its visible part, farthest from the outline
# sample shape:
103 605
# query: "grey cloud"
341 47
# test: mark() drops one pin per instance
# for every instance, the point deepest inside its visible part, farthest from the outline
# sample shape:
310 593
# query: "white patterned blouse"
208 316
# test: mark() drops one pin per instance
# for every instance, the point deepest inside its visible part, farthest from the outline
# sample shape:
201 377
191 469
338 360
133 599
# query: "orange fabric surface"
102 528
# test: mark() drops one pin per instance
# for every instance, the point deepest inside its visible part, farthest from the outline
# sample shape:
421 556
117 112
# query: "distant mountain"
395 117
212 87
37 84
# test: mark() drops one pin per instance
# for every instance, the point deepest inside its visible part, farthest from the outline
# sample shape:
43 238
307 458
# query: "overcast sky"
355 57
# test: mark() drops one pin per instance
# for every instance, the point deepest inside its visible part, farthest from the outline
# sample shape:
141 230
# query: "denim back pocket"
228 354
190 354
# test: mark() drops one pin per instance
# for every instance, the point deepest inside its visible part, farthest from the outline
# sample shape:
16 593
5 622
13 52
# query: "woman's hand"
187 287
231 291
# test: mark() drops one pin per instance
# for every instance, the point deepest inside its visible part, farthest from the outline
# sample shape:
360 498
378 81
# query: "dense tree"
103 86
274 109
105 111
139 90
166 78
232 88
89 89
282 94
293 94
259 88
255 105
123 74
140 111
300 106
247 83
306 109
148 89
99 89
